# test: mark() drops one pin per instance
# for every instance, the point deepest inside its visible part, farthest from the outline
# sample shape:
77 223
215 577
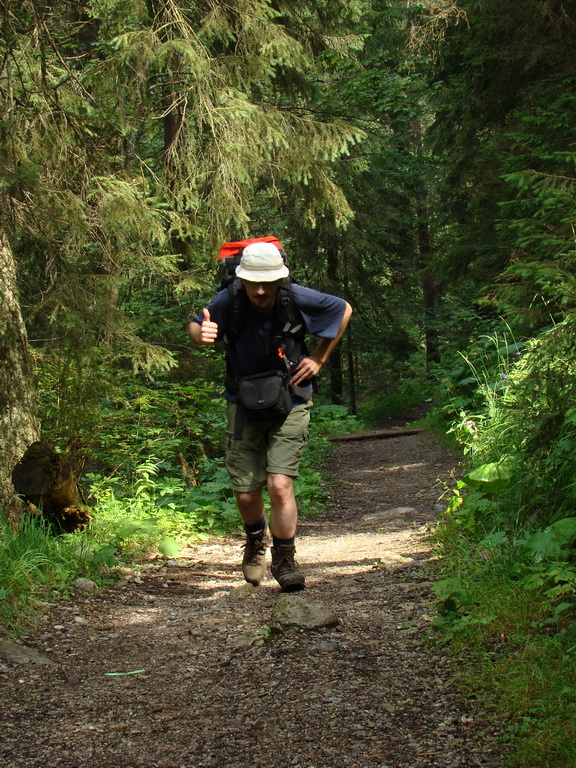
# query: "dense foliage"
416 158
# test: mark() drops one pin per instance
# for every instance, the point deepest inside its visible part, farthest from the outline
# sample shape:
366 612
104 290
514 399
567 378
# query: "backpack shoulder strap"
293 326
287 310
236 313
235 321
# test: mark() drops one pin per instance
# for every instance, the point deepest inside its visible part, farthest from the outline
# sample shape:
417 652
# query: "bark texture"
19 425
46 481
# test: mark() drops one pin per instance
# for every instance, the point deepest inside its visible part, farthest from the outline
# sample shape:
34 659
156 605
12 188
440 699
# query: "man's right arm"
205 332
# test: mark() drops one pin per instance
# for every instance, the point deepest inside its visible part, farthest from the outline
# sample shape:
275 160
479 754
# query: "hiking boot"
284 568
254 558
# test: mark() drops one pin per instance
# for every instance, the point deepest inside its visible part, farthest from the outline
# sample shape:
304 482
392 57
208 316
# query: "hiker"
269 393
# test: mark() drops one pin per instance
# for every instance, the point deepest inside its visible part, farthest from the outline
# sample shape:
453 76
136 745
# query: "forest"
416 157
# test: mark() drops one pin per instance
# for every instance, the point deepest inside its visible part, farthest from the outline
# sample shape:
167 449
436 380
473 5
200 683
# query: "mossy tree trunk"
19 425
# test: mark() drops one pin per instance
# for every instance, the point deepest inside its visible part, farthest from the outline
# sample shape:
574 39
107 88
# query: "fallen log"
47 483
376 435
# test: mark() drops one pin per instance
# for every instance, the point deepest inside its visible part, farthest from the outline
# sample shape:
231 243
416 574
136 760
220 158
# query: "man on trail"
264 444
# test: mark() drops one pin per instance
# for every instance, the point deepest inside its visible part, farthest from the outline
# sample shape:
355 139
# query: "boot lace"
254 548
285 563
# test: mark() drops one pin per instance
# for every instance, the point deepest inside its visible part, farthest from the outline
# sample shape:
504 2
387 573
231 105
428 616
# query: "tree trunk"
429 294
336 377
19 425
351 373
376 434
46 480
335 361
428 280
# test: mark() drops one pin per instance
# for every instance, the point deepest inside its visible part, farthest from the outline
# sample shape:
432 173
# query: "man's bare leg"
283 521
284 515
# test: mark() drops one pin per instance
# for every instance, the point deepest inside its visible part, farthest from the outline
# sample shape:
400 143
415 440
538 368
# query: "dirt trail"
212 687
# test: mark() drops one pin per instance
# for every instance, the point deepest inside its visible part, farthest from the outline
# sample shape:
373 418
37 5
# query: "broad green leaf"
565 529
452 587
493 540
169 547
106 554
543 545
491 477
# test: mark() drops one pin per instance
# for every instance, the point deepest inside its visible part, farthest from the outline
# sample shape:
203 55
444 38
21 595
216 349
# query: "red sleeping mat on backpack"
231 249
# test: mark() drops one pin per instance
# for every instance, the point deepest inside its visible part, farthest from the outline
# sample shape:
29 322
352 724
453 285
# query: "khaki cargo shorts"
266 447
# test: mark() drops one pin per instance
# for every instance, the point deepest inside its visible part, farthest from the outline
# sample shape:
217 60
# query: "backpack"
228 260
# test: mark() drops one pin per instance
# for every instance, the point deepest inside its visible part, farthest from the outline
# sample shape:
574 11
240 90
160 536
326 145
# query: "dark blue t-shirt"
256 348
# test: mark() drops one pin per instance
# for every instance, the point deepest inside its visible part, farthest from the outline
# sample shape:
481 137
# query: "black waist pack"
265 395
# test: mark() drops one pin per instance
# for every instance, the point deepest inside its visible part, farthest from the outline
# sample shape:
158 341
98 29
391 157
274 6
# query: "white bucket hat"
261 263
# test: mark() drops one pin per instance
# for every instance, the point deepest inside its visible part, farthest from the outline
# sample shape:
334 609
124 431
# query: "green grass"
515 645
34 567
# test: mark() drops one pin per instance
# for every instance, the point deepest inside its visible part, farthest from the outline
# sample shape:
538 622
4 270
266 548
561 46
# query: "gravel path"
179 667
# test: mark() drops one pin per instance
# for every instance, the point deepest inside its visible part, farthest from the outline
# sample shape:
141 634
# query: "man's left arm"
310 366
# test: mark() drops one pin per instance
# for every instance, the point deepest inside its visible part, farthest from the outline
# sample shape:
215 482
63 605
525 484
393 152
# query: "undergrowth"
506 611
506 589
35 567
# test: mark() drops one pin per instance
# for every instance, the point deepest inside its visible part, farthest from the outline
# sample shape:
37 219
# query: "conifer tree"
504 75
136 135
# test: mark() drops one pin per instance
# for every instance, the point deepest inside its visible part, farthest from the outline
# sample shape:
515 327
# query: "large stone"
86 585
20 654
244 590
395 558
302 612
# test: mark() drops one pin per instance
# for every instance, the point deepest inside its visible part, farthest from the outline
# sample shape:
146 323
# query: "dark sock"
276 542
255 527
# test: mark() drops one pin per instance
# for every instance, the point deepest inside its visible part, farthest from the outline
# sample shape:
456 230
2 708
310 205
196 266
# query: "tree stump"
46 481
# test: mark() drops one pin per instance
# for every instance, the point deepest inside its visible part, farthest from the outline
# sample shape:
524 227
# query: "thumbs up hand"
209 330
